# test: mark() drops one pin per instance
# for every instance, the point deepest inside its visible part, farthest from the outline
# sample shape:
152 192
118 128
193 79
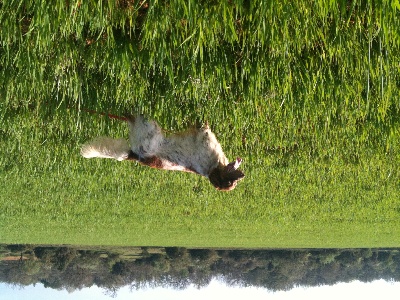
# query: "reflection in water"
73 268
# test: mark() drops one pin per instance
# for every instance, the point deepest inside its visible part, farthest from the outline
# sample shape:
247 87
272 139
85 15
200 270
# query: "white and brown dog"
195 150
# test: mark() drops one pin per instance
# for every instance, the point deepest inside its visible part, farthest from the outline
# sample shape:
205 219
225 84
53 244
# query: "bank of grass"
306 93
51 195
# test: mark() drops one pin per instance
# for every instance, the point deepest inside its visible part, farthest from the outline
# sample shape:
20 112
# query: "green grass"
306 93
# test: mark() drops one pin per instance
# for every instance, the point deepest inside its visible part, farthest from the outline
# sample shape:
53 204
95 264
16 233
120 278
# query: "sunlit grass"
306 93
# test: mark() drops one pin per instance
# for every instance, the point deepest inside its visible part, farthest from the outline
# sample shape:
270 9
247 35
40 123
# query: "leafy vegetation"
74 268
306 93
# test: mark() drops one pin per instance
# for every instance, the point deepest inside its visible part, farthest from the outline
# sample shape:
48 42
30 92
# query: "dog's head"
226 178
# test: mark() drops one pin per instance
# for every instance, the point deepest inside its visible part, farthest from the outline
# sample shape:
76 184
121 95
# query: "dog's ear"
235 175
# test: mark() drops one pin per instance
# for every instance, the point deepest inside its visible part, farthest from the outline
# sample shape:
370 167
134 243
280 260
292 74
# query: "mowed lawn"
306 93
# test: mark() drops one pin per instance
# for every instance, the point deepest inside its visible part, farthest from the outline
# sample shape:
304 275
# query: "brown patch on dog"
152 162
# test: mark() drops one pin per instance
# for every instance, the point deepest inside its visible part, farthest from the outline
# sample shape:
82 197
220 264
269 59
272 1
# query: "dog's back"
196 149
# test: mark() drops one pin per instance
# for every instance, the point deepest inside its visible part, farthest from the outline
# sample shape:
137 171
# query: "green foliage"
113 267
305 92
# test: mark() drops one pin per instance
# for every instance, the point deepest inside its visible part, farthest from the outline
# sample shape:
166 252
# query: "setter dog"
195 150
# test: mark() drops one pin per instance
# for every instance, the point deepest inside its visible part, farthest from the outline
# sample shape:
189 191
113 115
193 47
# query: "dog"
196 150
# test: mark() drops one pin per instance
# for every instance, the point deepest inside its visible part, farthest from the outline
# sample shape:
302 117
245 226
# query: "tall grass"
306 92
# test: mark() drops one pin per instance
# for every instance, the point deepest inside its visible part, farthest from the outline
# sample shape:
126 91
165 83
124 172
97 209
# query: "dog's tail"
106 147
